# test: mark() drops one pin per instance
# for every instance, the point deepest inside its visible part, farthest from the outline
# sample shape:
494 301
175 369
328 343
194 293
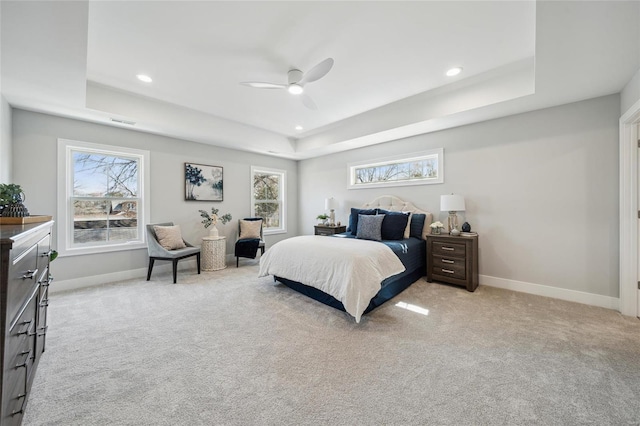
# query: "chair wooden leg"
261 250
198 260
175 270
237 262
151 260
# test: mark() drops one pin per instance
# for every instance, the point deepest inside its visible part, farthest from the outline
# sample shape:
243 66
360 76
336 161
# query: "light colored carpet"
228 348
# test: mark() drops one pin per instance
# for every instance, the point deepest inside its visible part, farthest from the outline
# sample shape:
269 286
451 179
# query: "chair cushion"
250 229
169 237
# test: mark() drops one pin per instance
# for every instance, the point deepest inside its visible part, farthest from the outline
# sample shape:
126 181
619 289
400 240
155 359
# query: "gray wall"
631 93
34 157
541 189
5 141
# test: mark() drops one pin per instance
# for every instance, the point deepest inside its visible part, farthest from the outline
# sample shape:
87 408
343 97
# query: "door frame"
629 123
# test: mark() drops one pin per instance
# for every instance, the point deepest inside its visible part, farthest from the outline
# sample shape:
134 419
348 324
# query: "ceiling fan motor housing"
294 76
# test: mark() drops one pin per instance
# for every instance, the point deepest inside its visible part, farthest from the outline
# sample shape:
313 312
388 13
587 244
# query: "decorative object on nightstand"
322 219
329 230
436 227
331 204
452 204
453 260
214 253
466 227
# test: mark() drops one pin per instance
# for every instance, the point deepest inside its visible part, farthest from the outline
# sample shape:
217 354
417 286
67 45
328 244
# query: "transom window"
414 169
104 198
268 198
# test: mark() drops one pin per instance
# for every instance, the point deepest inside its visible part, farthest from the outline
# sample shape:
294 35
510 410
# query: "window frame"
65 210
283 197
397 159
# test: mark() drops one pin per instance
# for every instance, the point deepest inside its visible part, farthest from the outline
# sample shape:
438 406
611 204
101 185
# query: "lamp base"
332 218
452 222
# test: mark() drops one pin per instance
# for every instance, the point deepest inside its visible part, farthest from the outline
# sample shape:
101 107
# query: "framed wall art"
203 183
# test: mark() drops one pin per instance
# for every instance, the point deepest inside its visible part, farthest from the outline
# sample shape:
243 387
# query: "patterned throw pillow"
169 237
370 227
353 218
250 229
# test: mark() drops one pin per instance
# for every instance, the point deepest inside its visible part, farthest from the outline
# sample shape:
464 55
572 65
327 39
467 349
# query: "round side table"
214 253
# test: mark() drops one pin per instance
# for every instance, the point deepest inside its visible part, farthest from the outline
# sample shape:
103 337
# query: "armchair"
157 252
250 238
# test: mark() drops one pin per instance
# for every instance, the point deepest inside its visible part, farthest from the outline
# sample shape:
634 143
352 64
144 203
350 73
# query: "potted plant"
212 219
11 196
322 219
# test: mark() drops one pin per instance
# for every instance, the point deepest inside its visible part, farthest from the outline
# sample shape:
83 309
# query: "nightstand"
329 230
453 260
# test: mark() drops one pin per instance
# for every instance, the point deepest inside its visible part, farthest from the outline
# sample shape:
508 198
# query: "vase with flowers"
212 220
436 227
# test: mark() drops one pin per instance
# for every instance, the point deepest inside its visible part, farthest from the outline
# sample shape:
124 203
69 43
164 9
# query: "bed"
353 274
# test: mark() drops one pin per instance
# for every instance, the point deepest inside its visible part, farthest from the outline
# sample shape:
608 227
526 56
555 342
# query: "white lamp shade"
452 203
330 203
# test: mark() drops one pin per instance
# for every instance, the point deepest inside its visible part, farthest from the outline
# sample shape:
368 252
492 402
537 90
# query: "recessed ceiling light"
454 71
299 128
145 78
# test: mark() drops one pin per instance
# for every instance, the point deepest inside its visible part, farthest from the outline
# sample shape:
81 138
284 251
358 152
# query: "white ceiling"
80 59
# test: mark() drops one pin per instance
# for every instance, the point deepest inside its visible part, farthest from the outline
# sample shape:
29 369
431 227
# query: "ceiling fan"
296 81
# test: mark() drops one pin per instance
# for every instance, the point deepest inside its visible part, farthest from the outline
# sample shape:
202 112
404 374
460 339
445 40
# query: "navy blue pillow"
393 225
417 223
353 219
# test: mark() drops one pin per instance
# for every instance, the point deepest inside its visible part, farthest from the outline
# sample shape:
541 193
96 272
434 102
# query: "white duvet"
348 269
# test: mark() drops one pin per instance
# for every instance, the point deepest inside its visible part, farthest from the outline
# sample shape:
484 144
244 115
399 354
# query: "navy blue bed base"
391 287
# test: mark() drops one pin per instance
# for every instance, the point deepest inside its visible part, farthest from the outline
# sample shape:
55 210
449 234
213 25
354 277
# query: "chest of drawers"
453 260
24 286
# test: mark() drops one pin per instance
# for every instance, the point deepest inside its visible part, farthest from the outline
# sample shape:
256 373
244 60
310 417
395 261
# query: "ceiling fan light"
295 89
454 71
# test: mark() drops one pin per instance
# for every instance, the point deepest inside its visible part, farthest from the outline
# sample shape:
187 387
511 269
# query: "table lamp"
452 204
330 204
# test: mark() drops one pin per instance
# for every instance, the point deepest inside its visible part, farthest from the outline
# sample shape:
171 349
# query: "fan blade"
308 102
317 72
261 85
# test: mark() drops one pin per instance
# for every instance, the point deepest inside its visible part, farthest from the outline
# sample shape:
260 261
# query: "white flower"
214 219
437 225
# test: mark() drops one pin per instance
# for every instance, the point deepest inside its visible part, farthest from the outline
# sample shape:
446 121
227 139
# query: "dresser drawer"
44 250
14 401
21 280
443 248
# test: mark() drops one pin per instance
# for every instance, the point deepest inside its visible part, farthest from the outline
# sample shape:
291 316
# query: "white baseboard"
94 280
554 292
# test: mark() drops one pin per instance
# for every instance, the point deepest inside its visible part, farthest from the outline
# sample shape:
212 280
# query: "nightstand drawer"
456 269
449 249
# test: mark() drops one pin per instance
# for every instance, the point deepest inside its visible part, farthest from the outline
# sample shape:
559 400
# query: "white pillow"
250 229
407 230
169 237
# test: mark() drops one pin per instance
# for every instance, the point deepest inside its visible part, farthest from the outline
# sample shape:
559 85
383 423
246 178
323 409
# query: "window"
102 198
414 169
268 198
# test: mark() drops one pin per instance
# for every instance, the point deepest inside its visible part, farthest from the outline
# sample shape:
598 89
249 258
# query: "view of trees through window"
267 198
105 198
426 168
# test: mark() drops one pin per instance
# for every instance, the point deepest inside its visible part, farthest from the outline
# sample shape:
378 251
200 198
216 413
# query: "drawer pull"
47 254
47 283
26 330
43 330
448 271
30 274
26 359
24 400
447 261
448 248
44 303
